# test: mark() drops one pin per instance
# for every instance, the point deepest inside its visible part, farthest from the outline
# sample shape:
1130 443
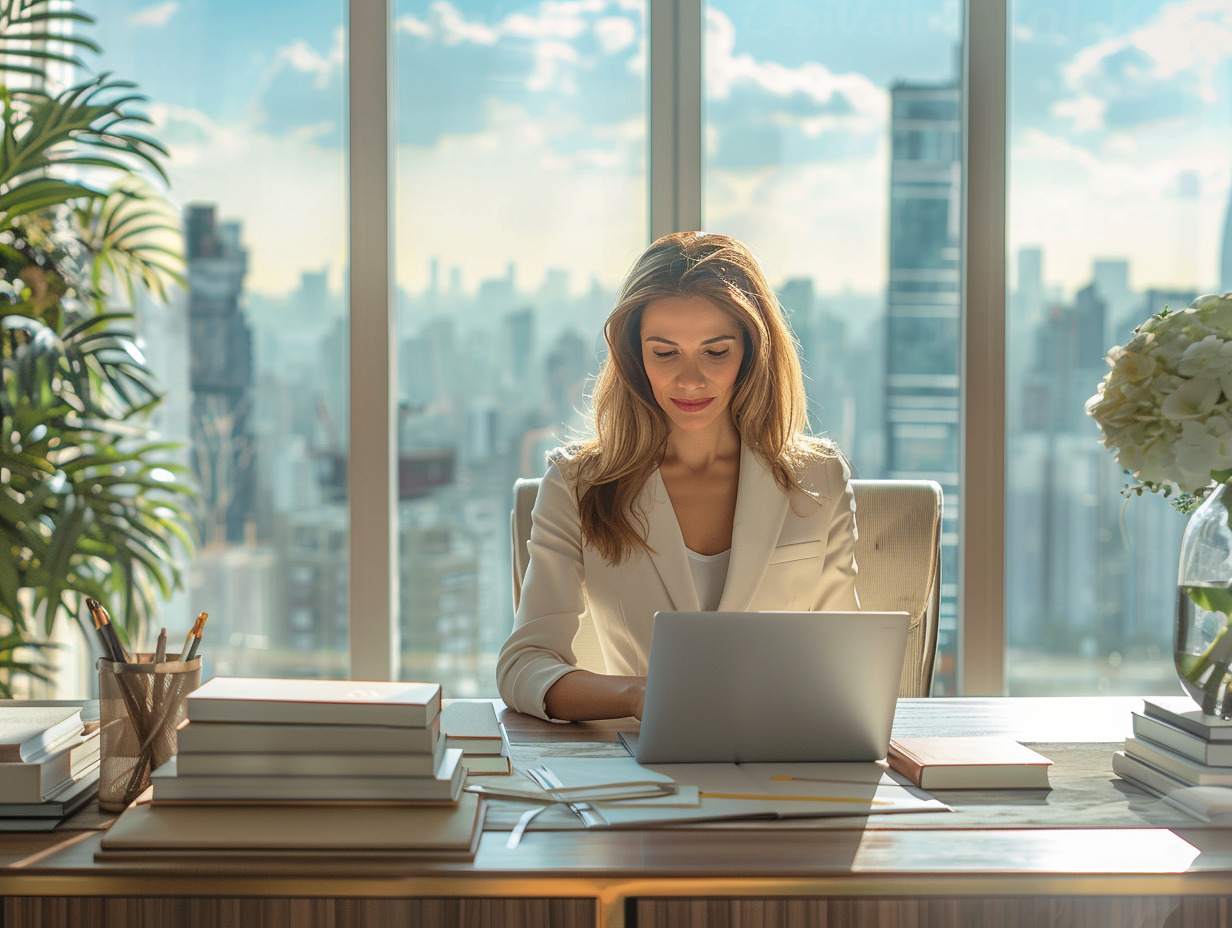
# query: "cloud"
767 113
615 33
552 61
157 15
1152 74
551 58
824 220
1124 198
481 189
726 71
284 102
260 179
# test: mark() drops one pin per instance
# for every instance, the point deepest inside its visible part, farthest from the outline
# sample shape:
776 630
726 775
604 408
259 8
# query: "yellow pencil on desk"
785 776
777 798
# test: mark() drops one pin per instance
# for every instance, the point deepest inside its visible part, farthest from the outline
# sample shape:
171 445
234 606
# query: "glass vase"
1203 650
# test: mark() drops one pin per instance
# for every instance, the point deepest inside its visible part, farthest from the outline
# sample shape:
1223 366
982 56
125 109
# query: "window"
250 103
521 198
833 147
1120 204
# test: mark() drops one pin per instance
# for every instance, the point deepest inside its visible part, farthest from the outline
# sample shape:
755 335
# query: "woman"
698 491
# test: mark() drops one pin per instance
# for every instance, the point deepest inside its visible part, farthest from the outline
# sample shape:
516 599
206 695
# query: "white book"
444 786
301 765
1183 768
439 831
1209 803
1215 754
40 777
315 702
292 738
1183 712
472 726
66 800
29 730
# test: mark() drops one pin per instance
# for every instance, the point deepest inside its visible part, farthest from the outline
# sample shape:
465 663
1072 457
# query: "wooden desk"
944 874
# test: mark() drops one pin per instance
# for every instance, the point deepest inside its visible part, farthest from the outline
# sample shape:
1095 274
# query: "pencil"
160 651
855 800
193 634
200 630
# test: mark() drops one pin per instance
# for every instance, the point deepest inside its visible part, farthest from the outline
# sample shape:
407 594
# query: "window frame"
675 157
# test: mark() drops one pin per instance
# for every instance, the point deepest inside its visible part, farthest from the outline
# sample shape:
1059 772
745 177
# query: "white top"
709 576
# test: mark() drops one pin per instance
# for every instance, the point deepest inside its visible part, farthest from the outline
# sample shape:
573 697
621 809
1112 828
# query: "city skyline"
538 110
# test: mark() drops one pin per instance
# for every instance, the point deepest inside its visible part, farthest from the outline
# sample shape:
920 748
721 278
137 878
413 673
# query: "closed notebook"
317 702
968 763
443 787
434 830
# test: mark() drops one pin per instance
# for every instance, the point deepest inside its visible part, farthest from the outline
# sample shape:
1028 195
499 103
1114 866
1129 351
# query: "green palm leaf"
89 504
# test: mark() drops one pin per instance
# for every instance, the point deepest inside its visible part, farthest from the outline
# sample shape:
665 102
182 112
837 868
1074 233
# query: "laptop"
771 687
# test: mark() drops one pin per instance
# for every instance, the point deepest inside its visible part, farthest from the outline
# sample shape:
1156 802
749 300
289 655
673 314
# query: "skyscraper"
220 373
923 301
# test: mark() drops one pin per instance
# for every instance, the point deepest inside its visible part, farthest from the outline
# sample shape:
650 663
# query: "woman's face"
692 351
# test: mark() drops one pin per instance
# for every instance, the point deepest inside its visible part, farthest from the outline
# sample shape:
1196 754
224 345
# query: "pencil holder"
140 707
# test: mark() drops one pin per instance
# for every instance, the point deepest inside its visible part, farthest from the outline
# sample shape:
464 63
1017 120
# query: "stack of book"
1175 748
368 758
48 765
265 740
473 727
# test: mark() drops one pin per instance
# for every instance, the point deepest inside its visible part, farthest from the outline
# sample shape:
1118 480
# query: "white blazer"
789 552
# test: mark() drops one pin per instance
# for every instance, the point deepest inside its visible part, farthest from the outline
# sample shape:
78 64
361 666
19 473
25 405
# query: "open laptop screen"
772 687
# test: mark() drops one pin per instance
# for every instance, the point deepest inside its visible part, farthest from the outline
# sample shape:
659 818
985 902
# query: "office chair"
898 551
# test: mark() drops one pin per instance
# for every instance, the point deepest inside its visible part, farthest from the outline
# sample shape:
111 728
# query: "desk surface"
1144 848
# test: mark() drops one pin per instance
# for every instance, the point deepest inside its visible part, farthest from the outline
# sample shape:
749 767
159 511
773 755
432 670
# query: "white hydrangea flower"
1165 406
1211 357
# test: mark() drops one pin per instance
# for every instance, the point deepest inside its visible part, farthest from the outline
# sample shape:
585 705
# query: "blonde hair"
631 429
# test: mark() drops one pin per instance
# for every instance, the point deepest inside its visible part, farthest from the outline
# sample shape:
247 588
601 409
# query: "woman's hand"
582 696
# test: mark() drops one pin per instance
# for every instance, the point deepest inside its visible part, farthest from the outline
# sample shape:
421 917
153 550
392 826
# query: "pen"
199 628
160 652
95 608
102 622
193 634
110 632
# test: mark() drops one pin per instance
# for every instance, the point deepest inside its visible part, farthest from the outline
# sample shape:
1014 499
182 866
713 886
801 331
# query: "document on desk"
733 791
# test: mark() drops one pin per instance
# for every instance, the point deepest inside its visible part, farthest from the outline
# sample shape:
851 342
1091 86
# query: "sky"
521 130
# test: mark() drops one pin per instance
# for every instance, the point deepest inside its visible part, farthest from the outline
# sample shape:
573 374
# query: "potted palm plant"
91 505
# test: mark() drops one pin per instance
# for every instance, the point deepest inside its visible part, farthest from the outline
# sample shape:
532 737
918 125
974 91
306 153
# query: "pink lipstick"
692 405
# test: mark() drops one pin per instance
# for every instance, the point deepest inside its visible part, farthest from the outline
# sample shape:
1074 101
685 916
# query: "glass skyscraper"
923 300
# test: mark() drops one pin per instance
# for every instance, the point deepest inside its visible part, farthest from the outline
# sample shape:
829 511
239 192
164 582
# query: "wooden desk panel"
1148 876
170 912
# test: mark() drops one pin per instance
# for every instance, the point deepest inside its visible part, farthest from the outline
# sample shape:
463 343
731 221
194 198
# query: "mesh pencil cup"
140 707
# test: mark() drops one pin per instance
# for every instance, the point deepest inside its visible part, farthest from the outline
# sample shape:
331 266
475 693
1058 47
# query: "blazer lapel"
667 545
761 507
